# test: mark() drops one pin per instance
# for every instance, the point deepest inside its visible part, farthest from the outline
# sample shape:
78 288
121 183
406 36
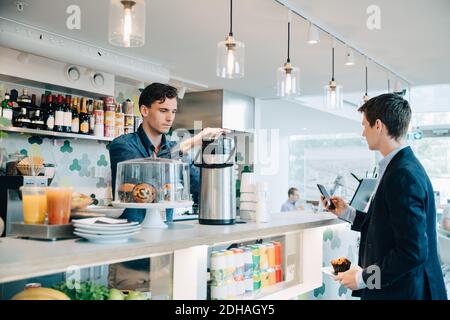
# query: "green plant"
4 123
86 291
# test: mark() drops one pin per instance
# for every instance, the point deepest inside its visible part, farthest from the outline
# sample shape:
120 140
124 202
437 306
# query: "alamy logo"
73 21
73 277
374 20
374 279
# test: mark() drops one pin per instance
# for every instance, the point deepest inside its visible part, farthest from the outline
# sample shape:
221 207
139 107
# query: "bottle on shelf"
67 127
84 117
23 101
22 120
50 113
7 108
59 114
99 117
90 109
37 120
75 126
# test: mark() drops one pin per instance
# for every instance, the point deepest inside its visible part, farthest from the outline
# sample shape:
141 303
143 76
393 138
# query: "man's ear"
378 125
144 110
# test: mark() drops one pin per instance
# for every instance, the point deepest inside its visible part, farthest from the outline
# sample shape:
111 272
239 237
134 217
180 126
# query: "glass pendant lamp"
288 76
366 96
230 54
334 98
127 23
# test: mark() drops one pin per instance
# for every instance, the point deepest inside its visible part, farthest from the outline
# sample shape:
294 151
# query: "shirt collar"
149 145
382 165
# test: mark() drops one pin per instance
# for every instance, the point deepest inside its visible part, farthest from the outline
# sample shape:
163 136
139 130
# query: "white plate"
107 211
158 205
107 232
89 222
106 239
104 227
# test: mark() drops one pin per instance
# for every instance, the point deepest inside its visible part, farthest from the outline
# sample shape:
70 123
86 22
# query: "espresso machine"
10 200
217 181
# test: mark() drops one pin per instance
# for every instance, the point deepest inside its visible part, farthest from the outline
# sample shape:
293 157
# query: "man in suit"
398 249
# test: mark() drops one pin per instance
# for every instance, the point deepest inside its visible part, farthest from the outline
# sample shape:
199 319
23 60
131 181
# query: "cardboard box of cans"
242 270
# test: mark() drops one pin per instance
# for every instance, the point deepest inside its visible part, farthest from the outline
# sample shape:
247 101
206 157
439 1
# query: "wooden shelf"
54 134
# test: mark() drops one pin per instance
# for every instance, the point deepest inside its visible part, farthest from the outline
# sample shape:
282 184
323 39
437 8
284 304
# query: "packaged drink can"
264 279
270 255
218 291
256 280
217 267
278 274
120 120
99 116
278 255
263 257
248 263
119 131
109 131
256 258
110 118
239 263
230 264
272 277
108 100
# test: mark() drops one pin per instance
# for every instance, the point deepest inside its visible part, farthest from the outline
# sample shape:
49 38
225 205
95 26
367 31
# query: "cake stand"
153 218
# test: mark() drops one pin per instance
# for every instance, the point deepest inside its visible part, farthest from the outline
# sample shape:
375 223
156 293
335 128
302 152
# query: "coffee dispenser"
218 182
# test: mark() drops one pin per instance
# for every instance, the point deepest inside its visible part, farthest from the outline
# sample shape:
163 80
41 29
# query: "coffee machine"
10 199
217 181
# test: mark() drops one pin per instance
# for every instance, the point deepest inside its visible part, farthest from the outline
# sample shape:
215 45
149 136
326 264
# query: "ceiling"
182 36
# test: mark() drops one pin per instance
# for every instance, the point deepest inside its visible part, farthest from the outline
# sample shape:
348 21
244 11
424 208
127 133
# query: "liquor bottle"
7 106
67 115
33 107
91 116
84 118
37 120
59 115
75 127
50 113
23 101
22 120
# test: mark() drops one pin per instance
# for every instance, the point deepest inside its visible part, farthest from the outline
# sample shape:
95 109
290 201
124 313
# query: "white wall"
289 118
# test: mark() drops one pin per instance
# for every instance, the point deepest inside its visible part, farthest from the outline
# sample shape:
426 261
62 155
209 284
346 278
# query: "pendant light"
334 98
366 96
313 34
230 54
127 23
288 76
349 57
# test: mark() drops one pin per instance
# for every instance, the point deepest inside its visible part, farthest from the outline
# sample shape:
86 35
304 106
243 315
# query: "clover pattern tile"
84 163
75 166
102 161
101 183
35 139
66 147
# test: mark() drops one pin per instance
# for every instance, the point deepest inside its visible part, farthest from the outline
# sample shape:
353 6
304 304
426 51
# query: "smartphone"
324 192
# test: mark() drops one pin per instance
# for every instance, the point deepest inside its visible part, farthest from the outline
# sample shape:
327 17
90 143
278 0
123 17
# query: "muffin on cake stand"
153 185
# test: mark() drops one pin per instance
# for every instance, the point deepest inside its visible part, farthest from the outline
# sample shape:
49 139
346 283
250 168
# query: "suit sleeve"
359 218
405 200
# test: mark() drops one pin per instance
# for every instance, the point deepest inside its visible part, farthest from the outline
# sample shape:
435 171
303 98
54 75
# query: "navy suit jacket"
398 234
137 145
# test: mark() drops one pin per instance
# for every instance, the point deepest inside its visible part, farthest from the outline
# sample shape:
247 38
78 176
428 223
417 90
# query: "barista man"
158 107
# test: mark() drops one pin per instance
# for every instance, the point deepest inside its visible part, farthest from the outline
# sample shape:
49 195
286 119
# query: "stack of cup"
261 196
247 200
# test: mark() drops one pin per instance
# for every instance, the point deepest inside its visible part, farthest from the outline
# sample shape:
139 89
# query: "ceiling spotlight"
349 57
313 34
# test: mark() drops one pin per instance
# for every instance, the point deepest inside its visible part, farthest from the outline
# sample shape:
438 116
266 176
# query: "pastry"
126 192
144 193
340 265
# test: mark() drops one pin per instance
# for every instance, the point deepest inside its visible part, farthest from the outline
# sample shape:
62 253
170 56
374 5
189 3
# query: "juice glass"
59 201
34 203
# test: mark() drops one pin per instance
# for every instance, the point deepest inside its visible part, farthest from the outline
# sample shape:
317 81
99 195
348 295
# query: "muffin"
340 265
144 193
125 192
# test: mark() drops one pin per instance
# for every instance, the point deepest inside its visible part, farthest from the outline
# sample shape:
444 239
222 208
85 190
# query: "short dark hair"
156 92
291 191
392 110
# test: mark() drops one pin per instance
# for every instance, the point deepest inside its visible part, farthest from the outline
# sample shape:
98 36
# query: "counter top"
22 259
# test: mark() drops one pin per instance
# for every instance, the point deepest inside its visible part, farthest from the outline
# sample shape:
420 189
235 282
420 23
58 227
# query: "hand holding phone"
326 195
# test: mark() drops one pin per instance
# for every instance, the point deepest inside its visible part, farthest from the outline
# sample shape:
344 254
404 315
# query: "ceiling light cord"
332 64
366 81
231 18
289 43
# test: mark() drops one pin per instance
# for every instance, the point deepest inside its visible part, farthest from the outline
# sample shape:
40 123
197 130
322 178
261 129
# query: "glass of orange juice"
59 202
34 201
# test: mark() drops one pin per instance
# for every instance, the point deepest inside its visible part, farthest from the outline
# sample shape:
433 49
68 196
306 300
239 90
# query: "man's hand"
348 278
339 204
205 134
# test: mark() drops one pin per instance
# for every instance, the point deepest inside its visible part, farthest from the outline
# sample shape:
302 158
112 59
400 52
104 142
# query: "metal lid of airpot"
218 153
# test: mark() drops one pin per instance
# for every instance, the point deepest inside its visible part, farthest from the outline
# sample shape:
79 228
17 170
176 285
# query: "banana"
40 294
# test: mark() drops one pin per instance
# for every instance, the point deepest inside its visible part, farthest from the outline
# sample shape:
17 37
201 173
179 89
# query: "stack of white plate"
106 230
247 205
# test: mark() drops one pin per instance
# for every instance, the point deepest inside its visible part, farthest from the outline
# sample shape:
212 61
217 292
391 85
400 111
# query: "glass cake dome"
148 180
